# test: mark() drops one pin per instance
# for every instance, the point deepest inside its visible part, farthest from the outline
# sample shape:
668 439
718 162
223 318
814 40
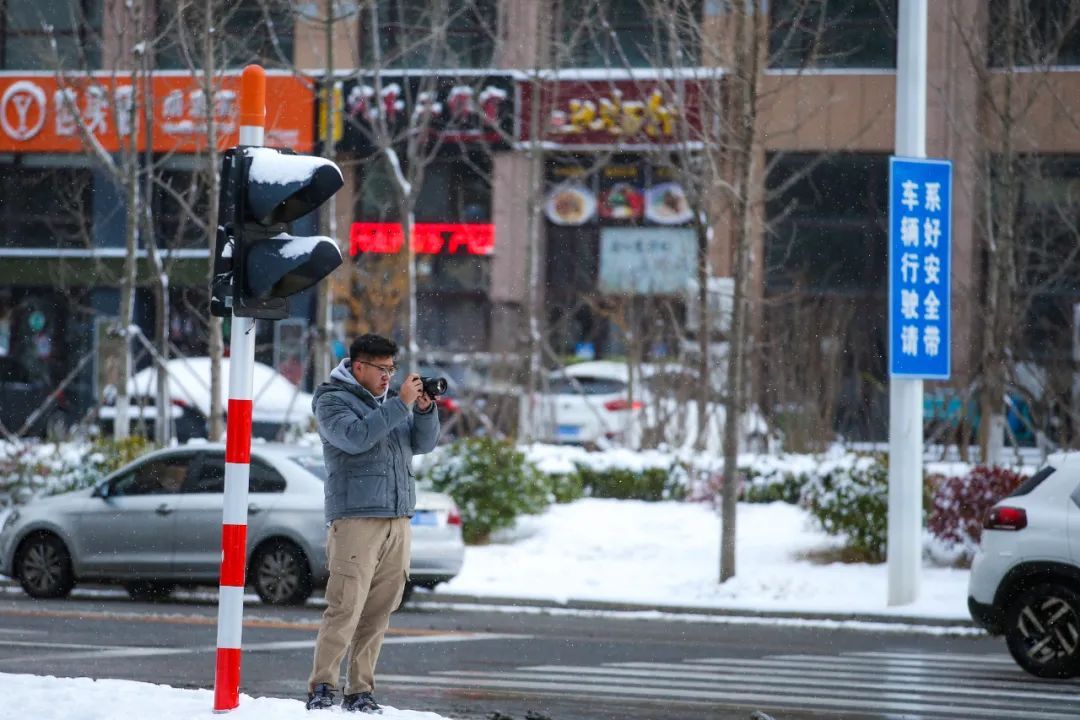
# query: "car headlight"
11 519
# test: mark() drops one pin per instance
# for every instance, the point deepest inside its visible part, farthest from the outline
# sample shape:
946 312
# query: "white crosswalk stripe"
913 685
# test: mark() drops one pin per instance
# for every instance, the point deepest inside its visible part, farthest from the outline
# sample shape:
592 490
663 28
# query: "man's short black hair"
371 345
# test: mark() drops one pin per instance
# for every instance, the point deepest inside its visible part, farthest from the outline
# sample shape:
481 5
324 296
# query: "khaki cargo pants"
368 560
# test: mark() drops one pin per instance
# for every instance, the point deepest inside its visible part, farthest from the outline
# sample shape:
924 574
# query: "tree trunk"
122 423
530 412
215 341
704 335
748 48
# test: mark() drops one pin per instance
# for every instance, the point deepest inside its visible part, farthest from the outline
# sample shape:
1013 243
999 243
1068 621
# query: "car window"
1033 482
161 476
312 463
210 477
589 386
265 479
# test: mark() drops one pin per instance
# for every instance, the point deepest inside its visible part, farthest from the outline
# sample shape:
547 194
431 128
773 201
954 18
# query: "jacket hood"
342 380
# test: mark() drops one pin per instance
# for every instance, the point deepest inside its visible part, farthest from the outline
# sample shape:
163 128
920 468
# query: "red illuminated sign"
428 238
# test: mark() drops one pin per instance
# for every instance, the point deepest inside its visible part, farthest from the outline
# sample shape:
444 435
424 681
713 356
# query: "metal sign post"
920 222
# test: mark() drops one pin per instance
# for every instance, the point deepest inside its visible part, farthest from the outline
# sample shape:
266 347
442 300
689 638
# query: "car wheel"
44 567
1042 630
149 591
280 574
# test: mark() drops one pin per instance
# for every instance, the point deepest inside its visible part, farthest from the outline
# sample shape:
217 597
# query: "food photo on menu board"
622 201
570 205
666 204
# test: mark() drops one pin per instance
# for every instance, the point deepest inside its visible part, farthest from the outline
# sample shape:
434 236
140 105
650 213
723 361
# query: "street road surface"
529 665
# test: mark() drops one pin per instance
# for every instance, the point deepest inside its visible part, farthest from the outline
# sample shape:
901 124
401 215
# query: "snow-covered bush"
652 484
491 481
960 505
850 497
765 482
31 469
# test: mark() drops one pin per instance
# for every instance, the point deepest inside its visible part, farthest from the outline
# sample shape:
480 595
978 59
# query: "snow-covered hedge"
31 469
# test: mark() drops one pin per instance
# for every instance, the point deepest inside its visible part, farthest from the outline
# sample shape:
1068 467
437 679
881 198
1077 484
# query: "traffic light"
258 263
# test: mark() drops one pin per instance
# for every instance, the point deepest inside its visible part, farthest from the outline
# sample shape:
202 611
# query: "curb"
600 605
611 606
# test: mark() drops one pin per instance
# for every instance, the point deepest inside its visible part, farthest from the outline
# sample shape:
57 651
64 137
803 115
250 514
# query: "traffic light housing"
258 263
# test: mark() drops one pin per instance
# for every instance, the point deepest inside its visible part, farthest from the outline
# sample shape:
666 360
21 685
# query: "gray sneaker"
361 702
321 698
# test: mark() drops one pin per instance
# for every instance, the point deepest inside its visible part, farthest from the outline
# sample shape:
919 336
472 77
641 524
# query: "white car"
278 403
588 404
1025 579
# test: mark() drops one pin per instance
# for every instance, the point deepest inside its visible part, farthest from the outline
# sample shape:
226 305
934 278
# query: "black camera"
433 386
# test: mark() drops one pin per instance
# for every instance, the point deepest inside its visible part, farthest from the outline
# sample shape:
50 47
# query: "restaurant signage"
613 112
428 238
449 109
38 113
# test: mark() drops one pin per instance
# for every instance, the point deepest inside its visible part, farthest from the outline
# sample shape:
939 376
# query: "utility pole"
906 394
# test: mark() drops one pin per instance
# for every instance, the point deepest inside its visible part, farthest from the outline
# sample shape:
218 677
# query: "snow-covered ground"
621 551
50 698
668 554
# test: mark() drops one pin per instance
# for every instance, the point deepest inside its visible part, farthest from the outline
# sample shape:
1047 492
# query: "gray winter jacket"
368 448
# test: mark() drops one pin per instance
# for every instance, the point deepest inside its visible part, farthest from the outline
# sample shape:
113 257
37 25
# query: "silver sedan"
156 524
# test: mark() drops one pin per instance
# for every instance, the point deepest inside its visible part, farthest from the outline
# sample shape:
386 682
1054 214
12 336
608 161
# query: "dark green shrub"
565 487
852 499
773 486
492 483
651 484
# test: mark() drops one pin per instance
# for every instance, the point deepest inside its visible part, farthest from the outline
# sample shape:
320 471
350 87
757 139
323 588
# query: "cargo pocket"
343 587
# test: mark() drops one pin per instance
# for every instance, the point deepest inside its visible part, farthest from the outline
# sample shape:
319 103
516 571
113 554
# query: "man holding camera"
369 436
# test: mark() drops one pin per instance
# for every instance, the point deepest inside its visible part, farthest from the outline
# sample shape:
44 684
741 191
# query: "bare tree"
1028 251
120 96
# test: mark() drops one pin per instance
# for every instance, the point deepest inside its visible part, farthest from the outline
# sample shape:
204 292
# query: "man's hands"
412 391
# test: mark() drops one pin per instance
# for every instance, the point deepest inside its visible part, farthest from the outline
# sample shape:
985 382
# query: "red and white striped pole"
237 446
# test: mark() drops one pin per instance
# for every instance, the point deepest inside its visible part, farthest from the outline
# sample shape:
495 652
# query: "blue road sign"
920 254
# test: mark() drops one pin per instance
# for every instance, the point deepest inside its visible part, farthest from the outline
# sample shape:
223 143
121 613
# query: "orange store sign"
39 114
428 238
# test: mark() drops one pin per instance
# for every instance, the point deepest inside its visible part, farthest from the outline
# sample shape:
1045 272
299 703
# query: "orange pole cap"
253 96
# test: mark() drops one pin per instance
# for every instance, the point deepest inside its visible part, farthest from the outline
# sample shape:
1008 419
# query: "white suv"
1025 579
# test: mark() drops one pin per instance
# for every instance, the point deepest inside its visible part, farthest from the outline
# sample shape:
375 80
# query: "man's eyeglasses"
387 371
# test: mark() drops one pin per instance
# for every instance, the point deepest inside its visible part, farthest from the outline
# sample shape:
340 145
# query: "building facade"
618 101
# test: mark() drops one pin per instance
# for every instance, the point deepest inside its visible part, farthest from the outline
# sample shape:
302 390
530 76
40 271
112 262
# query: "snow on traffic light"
259 264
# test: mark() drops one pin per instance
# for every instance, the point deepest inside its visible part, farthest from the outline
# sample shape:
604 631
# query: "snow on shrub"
491 481
650 475
772 478
33 469
960 504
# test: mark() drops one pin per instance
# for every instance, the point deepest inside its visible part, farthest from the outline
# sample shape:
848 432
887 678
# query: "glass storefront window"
452 303
253 31
1033 32
832 33
174 225
830 234
422 34
623 33
45 207
75 25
